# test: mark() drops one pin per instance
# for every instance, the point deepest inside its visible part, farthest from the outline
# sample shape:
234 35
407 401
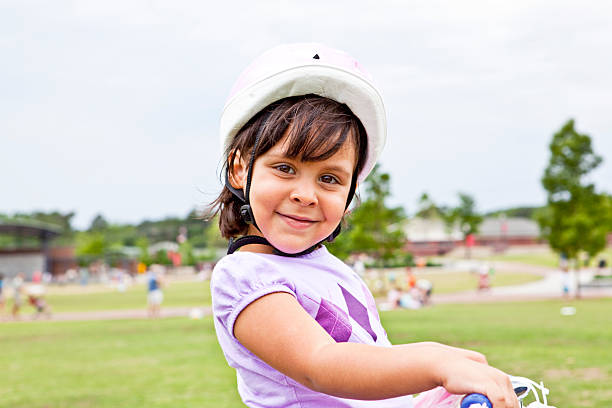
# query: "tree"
375 228
99 223
56 218
576 218
143 245
161 257
427 209
196 227
518 212
465 216
186 251
91 246
213 235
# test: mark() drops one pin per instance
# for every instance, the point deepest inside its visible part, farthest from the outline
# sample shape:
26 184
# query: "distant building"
508 231
166 246
31 250
426 237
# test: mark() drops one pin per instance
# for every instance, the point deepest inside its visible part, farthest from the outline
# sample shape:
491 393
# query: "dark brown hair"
316 128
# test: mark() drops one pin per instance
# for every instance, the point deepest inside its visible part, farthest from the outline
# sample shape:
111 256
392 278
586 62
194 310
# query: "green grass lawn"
129 363
571 354
194 293
177 362
447 282
547 259
462 281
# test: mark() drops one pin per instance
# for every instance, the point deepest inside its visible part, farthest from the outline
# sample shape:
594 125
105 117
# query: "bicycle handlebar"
472 399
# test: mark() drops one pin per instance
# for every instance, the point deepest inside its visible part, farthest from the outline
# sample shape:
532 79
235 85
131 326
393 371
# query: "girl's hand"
463 375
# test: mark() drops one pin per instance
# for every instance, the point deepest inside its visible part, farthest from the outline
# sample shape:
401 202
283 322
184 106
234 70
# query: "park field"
79 299
193 293
178 363
546 258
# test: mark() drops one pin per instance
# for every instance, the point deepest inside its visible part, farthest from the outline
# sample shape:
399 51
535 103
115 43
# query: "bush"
399 260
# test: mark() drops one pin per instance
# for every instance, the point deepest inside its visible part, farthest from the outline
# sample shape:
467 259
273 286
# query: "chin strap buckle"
247 214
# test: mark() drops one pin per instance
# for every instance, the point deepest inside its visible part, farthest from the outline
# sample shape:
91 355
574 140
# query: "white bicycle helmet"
302 69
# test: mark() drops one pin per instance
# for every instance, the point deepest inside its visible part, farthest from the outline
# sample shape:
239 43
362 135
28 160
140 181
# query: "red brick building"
32 251
429 237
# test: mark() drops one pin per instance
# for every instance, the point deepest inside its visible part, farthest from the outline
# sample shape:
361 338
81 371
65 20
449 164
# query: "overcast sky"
113 107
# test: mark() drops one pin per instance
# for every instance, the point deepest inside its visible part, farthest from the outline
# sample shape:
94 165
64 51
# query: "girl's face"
296 204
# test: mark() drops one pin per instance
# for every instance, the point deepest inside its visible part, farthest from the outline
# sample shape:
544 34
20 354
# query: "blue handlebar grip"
470 399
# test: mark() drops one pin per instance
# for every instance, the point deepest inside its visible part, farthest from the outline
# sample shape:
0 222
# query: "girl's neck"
258 248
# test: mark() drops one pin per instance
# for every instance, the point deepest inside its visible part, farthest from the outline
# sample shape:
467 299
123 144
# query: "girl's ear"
238 171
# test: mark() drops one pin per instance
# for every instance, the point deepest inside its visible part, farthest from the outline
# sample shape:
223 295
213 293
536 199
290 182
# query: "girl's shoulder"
241 262
241 278
247 266
246 271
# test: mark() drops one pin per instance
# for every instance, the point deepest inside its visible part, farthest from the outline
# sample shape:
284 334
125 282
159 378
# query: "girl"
302 127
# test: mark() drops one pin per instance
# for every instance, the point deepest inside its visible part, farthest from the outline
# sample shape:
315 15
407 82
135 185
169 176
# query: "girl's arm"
280 332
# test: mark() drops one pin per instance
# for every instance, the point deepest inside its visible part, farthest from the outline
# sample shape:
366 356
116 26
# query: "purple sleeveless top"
330 291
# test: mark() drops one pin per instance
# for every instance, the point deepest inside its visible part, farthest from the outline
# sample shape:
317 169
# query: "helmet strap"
246 212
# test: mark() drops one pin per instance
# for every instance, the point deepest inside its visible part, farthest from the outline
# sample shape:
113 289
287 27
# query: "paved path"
549 287
131 314
118 314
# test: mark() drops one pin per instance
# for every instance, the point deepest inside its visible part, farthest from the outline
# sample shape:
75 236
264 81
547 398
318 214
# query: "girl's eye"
285 168
329 179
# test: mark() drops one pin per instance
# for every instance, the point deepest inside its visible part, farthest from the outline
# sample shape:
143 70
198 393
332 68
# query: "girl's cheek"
339 205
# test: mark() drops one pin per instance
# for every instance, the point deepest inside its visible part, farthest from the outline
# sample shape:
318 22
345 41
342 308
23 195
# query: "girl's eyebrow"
331 167
278 156
338 169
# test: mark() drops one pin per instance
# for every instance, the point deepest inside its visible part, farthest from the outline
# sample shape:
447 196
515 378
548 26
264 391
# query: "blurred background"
494 185
109 116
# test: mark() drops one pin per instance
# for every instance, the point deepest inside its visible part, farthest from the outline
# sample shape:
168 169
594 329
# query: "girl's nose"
304 195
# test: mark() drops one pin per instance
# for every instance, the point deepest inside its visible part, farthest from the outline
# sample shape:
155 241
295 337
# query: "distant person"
17 284
563 262
484 281
410 278
155 295
393 298
47 278
565 282
36 297
1 293
122 279
601 267
71 275
408 300
359 267
397 297
425 288
84 275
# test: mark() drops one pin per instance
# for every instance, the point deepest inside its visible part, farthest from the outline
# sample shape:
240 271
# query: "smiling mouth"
297 222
